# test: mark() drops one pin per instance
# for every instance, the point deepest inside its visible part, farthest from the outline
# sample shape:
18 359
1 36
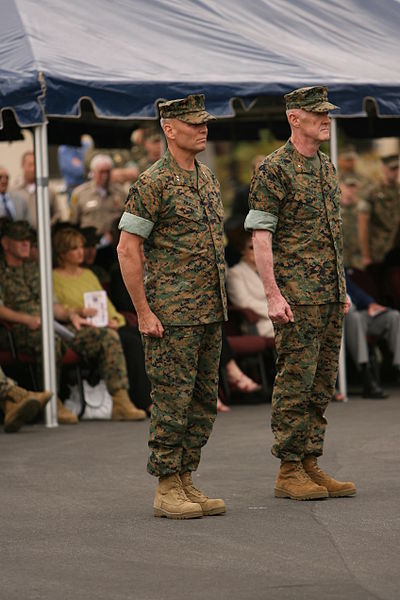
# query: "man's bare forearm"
131 260
278 309
132 270
14 316
262 243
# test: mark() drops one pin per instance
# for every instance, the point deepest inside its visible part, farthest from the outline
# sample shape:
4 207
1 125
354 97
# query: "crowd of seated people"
20 305
85 260
115 350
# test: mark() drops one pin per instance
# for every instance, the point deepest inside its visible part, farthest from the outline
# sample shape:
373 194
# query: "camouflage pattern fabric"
383 206
190 109
90 209
351 243
183 369
20 291
304 199
5 384
311 99
308 355
185 261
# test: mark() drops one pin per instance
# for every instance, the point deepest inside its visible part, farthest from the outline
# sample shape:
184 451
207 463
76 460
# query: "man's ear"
169 130
293 119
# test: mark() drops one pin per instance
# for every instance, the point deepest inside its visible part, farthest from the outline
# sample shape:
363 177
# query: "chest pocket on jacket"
188 212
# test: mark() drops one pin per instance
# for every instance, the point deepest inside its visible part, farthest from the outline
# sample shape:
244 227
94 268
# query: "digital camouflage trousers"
306 371
183 370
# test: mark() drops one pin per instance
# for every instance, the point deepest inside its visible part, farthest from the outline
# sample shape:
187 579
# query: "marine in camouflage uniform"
179 214
296 198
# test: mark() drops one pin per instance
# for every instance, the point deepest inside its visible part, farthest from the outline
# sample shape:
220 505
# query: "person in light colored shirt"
245 287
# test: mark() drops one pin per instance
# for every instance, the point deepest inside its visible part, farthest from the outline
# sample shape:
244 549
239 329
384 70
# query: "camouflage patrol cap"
17 230
391 161
311 99
190 110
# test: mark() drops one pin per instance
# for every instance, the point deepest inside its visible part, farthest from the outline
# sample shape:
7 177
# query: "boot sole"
214 512
279 493
159 512
125 418
343 493
26 413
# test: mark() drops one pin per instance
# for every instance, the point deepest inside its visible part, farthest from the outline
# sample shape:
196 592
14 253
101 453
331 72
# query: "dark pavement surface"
76 515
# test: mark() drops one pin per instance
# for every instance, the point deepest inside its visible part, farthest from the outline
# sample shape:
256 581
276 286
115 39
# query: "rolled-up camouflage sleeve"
266 194
141 208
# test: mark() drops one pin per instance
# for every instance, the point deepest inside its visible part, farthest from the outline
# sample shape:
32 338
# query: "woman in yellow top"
71 281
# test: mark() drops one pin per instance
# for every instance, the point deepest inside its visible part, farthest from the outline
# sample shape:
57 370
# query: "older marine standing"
176 207
294 215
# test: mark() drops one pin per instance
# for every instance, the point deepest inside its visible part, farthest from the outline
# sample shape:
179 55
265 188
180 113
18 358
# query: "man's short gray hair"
100 159
163 121
293 111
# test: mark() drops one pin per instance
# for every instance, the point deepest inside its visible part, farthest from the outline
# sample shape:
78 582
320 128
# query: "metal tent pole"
45 270
342 356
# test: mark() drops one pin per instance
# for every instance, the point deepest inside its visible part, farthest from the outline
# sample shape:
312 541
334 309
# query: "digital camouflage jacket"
298 200
180 214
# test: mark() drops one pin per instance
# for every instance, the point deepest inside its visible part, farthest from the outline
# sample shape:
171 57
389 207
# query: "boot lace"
316 469
180 492
302 475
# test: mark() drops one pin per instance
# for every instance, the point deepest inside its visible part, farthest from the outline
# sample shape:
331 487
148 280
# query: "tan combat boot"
21 407
18 394
293 482
65 416
170 500
209 506
124 409
335 488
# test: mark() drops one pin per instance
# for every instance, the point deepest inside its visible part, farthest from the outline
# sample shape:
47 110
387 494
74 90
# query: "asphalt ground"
76 516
